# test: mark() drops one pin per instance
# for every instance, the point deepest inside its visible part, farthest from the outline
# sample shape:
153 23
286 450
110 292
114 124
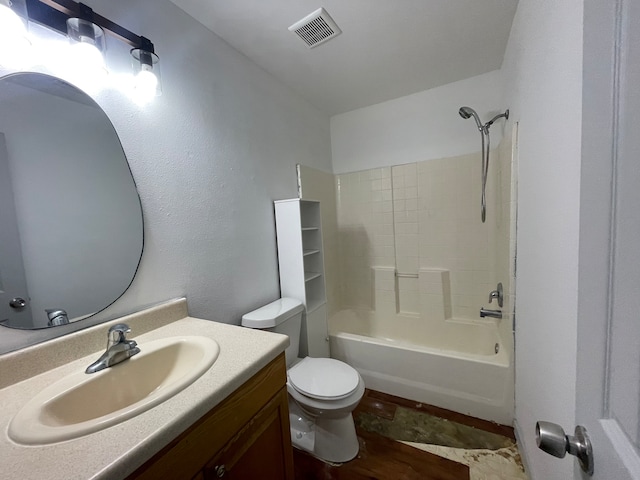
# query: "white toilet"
322 391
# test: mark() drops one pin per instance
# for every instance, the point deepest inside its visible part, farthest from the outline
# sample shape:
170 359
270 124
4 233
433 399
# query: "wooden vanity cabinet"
244 437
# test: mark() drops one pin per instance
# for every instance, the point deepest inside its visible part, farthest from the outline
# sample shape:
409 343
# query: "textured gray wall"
209 156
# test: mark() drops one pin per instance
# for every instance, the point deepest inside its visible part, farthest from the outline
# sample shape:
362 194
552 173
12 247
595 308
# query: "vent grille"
316 28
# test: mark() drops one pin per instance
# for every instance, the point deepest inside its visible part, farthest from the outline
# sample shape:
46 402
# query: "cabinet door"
262 449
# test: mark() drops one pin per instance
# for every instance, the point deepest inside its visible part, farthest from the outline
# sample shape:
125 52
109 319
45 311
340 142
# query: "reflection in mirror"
70 217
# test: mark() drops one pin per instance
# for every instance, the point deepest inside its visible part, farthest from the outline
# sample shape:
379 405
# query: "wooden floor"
383 458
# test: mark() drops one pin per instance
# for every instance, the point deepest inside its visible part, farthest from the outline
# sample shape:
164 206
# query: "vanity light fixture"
86 31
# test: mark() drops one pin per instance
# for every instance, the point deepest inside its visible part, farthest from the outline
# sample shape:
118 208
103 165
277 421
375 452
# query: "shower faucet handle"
498 294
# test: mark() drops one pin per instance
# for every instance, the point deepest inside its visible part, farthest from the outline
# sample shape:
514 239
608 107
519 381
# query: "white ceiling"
387 49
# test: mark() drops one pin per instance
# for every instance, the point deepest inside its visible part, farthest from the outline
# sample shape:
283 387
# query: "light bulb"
145 85
10 23
84 66
14 44
146 80
87 56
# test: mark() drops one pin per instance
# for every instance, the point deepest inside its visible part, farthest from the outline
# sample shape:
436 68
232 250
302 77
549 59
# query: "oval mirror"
71 232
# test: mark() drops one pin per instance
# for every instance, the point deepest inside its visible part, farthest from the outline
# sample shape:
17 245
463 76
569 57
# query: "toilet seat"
323 378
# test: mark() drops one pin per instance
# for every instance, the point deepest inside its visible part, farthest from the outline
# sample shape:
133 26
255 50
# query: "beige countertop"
117 451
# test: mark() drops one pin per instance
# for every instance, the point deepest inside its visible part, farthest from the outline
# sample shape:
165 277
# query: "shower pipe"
468 112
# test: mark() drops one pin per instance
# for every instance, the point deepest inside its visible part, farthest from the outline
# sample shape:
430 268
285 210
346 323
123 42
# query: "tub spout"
485 312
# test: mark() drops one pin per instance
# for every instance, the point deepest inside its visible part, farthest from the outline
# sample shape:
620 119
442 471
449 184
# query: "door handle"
551 438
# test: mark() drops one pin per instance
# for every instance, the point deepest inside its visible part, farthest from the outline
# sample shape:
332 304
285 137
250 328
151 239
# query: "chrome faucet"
118 349
498 295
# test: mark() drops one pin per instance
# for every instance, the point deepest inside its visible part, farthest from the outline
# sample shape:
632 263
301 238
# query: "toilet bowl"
322 391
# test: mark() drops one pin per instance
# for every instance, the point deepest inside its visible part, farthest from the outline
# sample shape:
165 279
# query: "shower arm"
504 115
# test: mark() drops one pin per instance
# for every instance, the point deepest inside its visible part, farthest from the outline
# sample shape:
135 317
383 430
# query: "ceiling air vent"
316 28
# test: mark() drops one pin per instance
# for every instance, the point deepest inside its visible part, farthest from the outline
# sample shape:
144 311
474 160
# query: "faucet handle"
118 334
497 294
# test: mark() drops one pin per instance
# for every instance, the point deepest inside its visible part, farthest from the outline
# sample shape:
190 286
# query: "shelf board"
309 252
311 275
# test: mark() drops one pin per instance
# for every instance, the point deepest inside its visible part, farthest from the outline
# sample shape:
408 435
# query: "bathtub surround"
366 232
415 266
426 293
421 220
435 293
384 290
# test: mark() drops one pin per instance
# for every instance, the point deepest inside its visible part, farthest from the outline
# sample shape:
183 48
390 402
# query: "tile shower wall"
423 220
407 237
366 232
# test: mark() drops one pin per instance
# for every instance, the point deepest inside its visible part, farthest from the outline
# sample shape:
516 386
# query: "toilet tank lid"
272 314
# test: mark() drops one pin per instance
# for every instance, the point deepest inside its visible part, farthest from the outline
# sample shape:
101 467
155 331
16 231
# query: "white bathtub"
451 364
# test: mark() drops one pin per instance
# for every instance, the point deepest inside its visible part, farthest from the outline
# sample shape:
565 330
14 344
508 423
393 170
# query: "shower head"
468 112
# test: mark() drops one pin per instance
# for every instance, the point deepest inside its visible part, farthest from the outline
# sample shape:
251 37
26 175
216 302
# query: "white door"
13 284
608 376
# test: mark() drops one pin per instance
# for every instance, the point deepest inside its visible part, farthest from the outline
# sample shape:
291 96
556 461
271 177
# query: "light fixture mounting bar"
53 14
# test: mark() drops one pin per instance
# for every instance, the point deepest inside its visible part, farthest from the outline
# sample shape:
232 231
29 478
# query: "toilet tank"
281 316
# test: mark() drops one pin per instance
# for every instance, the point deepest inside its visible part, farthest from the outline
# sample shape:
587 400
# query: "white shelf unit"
301 263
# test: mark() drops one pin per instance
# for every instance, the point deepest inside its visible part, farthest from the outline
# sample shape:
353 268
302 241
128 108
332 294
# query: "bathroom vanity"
231 422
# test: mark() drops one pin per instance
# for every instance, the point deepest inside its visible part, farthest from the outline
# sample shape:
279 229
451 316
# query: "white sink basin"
82 403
